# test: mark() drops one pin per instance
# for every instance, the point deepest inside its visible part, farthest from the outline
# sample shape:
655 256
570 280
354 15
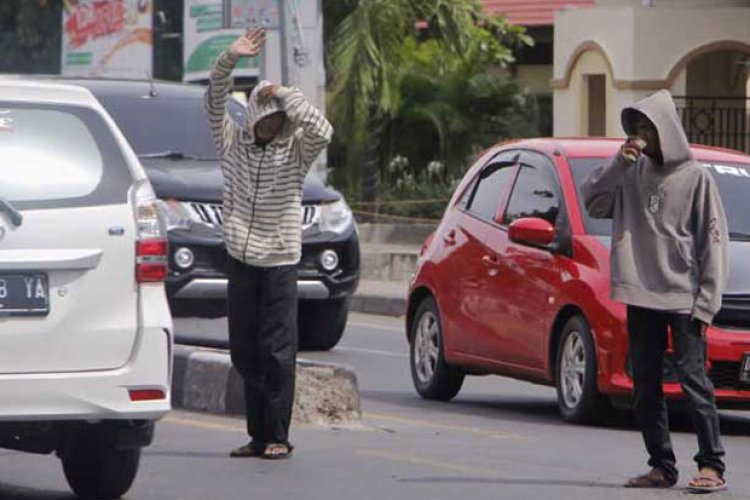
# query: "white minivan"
85 329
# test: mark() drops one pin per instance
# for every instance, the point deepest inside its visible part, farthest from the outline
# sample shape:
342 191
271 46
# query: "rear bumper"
95 395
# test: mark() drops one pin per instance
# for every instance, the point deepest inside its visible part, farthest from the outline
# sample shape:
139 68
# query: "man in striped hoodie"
264 166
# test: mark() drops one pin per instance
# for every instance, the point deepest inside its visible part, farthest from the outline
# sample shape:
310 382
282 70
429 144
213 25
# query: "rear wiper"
739 236
15 216
169 155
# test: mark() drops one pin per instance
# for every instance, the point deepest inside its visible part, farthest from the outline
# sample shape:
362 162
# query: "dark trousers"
647 332
262 310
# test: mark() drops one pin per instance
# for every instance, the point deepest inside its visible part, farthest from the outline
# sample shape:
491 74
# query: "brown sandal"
655 478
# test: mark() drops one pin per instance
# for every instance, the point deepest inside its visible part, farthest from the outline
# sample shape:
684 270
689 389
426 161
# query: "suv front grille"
723 374
211 213
208 213
735 312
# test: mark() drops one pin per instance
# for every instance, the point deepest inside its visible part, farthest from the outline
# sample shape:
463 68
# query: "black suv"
167 127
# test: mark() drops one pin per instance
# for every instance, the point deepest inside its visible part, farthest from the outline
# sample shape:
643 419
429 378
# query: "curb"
374 304
204 380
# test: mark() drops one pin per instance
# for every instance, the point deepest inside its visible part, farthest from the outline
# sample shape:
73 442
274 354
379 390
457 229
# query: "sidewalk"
386 269
387 298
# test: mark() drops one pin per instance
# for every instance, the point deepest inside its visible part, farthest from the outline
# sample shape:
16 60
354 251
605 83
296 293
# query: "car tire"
321 323
96 468
578 396
433 378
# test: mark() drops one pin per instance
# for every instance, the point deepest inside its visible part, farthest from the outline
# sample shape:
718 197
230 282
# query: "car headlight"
335 217
176 215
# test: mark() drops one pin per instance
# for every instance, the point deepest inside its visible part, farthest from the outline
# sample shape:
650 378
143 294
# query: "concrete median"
204 380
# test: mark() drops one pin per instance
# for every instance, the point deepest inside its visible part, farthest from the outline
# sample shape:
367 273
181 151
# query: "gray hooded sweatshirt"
669 236
263 183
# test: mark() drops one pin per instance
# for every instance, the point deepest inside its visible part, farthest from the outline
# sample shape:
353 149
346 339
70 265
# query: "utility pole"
283 43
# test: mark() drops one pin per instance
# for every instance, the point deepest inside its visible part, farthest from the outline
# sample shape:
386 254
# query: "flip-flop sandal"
717 484
651 480
287 453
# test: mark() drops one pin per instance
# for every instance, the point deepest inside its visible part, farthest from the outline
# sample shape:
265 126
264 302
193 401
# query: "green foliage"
454 106
438 95
30 36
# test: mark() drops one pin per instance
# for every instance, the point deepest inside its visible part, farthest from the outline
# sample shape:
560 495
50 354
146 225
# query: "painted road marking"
374 326
392 354
435 464
443 426
383 417
203 424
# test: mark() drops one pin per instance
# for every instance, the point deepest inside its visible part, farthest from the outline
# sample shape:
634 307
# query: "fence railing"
716 121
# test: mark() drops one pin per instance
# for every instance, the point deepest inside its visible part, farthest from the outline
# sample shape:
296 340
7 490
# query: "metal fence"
716 121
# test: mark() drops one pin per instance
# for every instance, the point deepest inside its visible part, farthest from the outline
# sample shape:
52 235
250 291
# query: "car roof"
23 90
588 147
126 86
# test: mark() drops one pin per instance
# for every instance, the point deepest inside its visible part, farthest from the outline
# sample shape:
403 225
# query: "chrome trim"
49 259
209 288
211 213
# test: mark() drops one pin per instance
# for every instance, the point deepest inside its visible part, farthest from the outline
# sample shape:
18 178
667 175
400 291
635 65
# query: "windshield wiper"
169 155
16 218
739 236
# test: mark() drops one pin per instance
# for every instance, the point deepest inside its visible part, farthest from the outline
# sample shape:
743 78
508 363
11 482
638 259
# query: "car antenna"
151 88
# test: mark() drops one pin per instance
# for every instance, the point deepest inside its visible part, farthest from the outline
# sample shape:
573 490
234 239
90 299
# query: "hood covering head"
256 112
659 108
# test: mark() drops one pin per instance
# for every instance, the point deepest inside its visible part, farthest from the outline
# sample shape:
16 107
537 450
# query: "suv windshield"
732 179
168 123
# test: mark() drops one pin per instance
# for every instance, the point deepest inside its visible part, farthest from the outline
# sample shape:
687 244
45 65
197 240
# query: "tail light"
151 248
146 394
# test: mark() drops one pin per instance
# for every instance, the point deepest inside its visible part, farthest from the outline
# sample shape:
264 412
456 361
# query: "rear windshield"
732 179
52 155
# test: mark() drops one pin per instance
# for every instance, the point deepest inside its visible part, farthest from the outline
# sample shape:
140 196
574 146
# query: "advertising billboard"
107 38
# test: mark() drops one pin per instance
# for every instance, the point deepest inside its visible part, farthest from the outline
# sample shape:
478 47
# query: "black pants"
262 310
647 331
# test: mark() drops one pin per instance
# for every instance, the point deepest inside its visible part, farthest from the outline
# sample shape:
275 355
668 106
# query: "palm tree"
365 51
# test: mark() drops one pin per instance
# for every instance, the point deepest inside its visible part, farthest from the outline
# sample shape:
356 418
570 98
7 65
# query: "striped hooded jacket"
263 184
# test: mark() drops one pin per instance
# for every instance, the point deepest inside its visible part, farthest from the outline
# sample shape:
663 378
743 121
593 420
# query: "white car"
85 329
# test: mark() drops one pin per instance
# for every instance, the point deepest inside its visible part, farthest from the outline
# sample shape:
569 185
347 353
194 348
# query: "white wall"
644 46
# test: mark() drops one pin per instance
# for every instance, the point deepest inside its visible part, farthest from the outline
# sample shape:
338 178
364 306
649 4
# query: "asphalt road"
498 439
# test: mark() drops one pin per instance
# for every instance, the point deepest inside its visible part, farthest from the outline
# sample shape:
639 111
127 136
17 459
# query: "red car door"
464 269
527 282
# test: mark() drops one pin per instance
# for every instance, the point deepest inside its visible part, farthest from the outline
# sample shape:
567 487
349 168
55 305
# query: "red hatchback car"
515 282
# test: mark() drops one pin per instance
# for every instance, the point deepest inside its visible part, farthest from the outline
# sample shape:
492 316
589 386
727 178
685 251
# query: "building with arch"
618 51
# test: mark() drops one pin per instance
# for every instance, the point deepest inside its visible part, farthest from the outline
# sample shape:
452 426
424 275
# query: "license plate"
745 369
24 295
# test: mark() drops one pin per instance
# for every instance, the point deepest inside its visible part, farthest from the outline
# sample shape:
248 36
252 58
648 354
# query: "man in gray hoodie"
669 265
264 166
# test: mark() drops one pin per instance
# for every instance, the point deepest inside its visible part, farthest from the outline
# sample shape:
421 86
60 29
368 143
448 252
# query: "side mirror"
532 231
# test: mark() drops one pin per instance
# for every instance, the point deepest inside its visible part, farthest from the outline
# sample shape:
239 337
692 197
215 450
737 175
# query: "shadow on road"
545 411
512 482
184 454
9 492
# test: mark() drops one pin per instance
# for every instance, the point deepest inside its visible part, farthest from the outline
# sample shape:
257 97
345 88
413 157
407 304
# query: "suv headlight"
176 215
335 217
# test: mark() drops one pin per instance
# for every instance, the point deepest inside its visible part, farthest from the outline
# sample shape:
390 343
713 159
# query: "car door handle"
450 238
491 261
